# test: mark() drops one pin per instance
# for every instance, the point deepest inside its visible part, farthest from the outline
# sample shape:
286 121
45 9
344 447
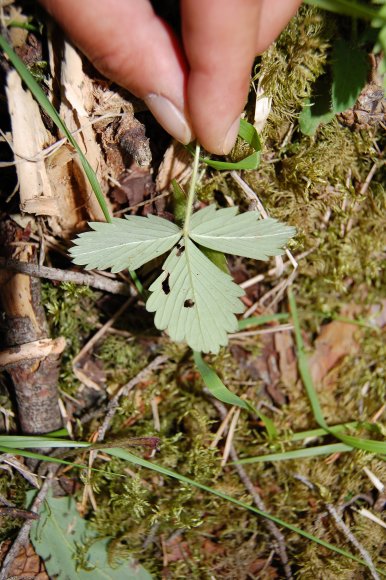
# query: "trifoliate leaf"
194 300
124 243
225 230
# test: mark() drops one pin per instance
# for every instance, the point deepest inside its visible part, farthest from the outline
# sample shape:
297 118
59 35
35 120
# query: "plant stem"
192 190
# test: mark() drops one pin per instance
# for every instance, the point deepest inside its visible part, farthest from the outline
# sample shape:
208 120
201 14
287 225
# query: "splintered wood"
30 137
51 179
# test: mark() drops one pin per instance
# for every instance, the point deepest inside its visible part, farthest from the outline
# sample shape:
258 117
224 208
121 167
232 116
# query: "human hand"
198 90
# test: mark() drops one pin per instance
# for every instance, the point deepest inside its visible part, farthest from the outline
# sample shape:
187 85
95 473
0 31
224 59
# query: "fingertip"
172 119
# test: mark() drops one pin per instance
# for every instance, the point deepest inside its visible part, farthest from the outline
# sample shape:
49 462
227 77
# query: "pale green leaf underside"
124 243
194 300
227 231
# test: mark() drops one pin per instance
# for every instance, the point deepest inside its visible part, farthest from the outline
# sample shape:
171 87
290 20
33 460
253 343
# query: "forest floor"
83 358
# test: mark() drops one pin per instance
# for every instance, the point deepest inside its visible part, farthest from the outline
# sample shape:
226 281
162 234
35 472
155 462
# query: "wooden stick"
93 280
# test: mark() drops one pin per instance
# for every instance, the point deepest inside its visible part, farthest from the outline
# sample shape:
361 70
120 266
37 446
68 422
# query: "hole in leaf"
165 284
180 249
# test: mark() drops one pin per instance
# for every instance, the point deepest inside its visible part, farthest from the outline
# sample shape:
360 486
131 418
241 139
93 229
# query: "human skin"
195 90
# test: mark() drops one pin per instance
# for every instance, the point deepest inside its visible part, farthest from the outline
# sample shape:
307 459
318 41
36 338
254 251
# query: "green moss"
292 64
12 488
71 312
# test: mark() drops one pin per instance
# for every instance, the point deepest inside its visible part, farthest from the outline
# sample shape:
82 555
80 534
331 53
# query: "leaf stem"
192 190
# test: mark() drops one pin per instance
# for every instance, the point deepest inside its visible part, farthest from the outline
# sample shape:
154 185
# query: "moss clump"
71 312
122 359
292 64
12 489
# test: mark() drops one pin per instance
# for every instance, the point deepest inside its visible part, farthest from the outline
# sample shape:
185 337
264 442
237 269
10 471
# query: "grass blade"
312 433
47 106
305 453
263 319
33 441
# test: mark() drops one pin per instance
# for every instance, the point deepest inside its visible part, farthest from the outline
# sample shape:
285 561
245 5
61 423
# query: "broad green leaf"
194 300
310 118
124 243
346 7
226 230
317 110
61 534
218 258
382 63
349 68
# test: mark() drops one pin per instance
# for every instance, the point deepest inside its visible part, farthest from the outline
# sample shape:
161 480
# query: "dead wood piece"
93 280
32 350
76 105
176 164
34 379
122 135
29 137
37 398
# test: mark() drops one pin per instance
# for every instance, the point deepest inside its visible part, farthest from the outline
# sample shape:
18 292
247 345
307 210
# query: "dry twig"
345 529
93 280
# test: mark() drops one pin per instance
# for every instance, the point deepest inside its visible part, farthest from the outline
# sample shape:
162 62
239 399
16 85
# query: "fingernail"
170 117
231 136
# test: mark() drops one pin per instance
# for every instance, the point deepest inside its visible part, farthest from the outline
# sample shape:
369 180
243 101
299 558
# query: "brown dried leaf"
284 344
135 186
335 341
27 564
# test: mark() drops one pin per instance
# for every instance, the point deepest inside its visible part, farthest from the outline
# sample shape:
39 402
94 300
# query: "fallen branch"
58 275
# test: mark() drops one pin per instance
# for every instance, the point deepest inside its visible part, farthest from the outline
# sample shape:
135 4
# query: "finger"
220 43
274 16
128 43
